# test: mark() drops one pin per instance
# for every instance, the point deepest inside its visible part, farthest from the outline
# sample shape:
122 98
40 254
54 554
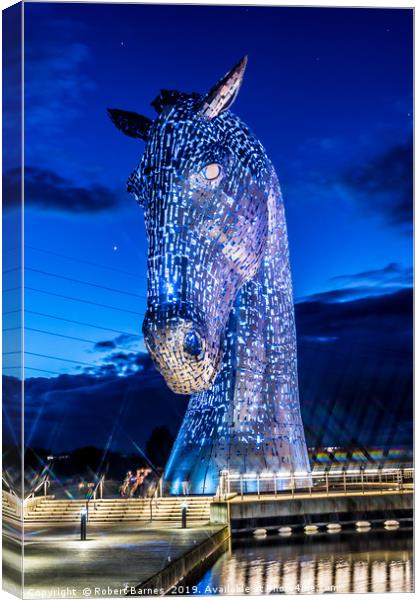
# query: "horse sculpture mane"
220 318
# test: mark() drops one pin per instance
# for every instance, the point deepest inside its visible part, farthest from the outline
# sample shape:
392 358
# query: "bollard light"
83 523
184 508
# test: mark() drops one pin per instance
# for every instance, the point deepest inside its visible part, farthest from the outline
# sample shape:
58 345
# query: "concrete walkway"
112 559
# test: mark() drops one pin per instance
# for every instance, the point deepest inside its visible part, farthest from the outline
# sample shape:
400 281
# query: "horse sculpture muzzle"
179 343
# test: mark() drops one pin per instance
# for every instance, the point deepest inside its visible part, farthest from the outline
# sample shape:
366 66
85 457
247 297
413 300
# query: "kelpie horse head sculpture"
199 181
220 315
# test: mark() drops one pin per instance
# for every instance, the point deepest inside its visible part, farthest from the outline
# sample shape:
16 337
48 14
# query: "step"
121 509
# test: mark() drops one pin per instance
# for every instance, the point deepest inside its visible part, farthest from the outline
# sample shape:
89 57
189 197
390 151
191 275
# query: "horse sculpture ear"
223 94
130 123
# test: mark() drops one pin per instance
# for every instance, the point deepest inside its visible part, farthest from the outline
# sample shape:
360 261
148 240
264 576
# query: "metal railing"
41 481
11 497
43 484
23 505
92 494
158 493
328 482
8 485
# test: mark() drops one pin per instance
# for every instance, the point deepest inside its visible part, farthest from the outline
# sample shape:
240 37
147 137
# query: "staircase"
167 509
11 508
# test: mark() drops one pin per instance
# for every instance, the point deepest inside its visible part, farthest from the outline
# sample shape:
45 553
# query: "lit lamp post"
83 523
184 508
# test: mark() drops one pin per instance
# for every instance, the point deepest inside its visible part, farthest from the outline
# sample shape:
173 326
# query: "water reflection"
380 561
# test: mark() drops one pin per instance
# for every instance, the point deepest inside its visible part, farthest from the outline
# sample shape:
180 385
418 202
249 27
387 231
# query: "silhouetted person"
126 484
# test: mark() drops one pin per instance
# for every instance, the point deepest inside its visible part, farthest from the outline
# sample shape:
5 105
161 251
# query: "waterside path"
113 561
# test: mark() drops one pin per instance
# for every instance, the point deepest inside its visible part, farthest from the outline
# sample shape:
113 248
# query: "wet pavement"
112 559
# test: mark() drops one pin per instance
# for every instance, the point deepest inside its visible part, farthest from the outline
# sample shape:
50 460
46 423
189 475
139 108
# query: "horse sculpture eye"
211 171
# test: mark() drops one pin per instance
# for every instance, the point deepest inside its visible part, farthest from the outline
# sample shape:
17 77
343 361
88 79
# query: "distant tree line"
87 461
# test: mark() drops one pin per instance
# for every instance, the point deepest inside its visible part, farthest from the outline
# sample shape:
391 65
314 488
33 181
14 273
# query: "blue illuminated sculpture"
220 318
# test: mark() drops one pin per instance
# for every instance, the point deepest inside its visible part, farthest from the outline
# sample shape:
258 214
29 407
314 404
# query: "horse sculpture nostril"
192 344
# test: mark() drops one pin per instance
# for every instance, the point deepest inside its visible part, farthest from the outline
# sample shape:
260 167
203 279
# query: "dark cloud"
339 295
384 184
69 411
124 340
127 340
393 273
348 294
119 363
47 190
355 370
122 357
104 346
317 318
374 282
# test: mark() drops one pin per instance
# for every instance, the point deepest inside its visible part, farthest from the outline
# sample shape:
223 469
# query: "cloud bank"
384 184
46 190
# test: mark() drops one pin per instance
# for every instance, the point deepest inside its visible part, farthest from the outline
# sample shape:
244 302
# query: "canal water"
372 561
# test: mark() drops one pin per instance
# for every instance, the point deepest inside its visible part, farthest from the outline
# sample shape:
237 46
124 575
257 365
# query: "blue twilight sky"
327 91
